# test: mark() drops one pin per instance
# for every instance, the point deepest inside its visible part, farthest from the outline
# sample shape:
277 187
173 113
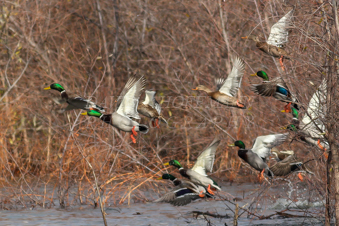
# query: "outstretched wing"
233 81
279 31
313 119
206 159
130 95
263 144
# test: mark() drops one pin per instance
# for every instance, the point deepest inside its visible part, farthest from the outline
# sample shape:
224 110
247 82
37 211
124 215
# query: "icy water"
300 201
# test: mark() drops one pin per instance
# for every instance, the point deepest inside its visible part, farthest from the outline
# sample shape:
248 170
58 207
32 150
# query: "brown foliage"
176 45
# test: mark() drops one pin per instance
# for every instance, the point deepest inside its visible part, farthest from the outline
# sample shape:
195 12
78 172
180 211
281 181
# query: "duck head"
252 37
92 113
238 143
173 163
203 88
262 75
55 86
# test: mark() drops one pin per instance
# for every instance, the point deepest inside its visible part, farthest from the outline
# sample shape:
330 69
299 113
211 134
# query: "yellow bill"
253 74
166 164
231 145
84 113
47 88
159 178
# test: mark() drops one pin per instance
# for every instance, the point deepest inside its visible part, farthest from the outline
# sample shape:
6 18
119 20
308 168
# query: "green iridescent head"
92 113
262 75
55 86
174 163
239 144
167 176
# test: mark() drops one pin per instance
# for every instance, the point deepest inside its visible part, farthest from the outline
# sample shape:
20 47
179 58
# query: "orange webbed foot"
261 176
281 63
287 108
157 123
210 190
201 194
153 123
320 146
133 139
134 132
301 178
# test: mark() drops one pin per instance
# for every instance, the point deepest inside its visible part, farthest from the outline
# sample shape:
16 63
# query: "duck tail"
143 128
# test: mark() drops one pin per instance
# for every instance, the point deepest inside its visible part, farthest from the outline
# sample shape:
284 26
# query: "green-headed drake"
126 109
75 102
204 163
256 156
276 88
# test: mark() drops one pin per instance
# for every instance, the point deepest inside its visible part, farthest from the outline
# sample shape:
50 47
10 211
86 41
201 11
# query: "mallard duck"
289 165
126 109
197 174
256 156
311 128
151 108
184 192
227 89
276 40
74 102
276 88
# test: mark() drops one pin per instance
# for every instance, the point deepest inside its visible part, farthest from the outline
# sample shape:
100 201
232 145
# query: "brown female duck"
228 88
276 40
289 165
151 108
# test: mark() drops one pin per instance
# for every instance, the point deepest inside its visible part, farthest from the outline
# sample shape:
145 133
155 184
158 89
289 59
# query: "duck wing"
286 166
129 97
231 85
81 103
279 31
182 194
206 159
151 101
263 144
313 119
276 88
266 88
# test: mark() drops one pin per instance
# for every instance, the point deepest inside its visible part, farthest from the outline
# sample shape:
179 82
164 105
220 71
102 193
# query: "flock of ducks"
198 184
